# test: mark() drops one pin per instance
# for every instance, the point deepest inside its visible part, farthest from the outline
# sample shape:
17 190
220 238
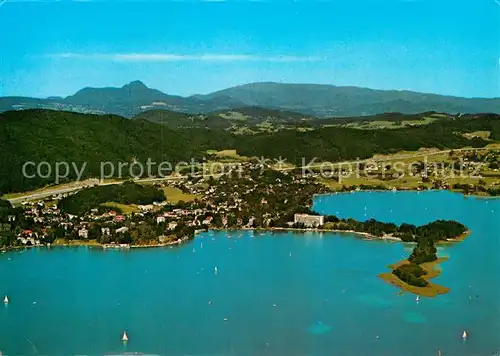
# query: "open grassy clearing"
482 134
234 115
124 208
406 182
386 124
174 195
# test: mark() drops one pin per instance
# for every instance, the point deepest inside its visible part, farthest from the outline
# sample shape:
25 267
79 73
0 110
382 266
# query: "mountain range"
306 99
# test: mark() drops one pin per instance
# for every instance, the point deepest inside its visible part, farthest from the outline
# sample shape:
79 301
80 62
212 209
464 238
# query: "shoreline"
365 235
432 290
457 191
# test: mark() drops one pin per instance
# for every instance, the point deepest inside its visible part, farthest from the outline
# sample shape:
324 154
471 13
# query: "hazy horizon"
242 84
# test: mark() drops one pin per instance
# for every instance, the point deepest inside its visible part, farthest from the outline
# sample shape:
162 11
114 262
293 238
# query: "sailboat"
418 299
6 299
215 269
464 335
124 337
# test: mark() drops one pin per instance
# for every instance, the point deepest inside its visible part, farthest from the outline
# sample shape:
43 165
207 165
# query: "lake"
272 294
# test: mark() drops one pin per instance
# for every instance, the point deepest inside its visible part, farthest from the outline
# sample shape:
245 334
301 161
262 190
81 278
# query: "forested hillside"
336 144
54 136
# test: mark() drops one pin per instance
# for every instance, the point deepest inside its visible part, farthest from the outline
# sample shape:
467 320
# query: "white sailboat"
418 299
215 270
124 336
6 299
464 335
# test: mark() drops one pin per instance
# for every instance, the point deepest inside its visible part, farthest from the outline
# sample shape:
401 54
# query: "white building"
83 233
122 230
309 220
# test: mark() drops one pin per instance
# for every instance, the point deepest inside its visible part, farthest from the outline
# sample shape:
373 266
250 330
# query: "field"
386 124
174 195
482 134
126 209
64 242
234 115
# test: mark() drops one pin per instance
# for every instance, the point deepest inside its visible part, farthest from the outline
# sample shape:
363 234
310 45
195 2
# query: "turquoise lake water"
273 294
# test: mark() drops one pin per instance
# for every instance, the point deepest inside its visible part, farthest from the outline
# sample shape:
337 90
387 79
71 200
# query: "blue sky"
188 47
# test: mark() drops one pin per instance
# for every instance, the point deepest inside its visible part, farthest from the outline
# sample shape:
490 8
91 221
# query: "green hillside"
54 136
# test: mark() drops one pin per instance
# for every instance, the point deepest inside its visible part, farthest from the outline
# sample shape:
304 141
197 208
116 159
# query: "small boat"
464 335
6 299
418 299
215 270
124 336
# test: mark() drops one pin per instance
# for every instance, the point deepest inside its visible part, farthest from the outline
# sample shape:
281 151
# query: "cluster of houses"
223 203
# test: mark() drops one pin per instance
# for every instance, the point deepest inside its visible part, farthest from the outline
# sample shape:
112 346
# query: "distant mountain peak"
136 84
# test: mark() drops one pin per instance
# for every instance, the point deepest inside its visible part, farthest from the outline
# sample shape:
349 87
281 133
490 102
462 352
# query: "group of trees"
412 274
126 193
434 231
476 188
12 221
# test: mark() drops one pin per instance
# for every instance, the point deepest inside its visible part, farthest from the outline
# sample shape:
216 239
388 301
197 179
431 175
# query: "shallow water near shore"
273 294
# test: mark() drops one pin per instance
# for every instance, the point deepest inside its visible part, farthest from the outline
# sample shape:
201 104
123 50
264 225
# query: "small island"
414 274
